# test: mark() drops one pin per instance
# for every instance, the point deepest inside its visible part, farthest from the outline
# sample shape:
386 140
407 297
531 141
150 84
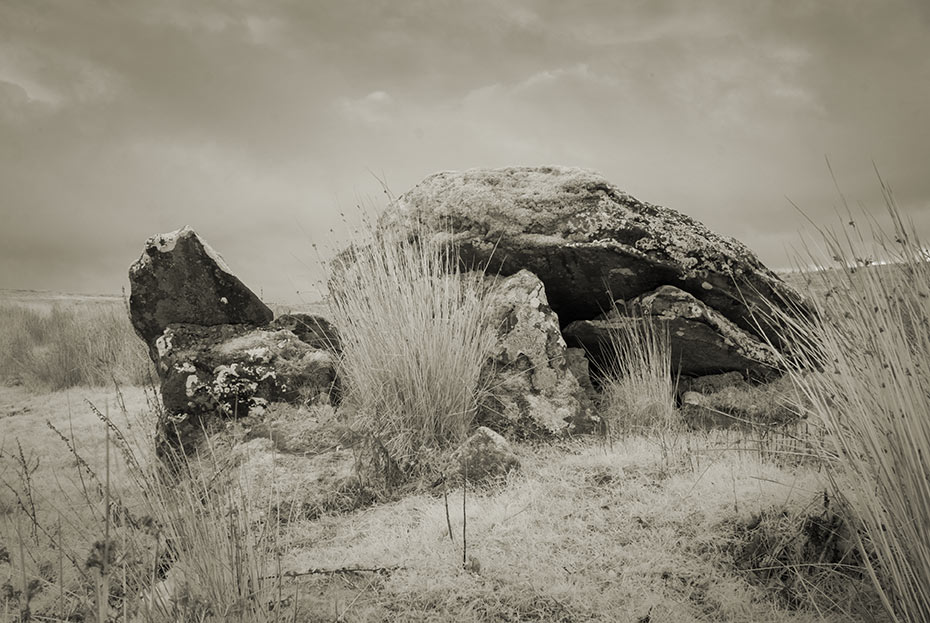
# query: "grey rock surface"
533 390
587 240
702 340
484 456
209 374
180 279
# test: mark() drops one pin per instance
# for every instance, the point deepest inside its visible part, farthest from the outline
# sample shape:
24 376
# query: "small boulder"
702 340
766 406
533 390
180 279
230 371
711 383
484 456
693 398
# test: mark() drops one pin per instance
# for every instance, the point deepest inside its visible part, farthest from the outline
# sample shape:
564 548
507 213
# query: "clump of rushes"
862 362
415 336
637 390
70 346
187 543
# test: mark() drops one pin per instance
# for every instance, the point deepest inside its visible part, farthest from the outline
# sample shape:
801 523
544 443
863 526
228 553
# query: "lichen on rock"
588 241
533 391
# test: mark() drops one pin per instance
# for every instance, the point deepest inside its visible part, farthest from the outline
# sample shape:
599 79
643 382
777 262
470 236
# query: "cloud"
245 118
372 109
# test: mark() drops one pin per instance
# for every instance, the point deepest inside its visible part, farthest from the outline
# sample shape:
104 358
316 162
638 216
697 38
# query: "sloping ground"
670 527
648 530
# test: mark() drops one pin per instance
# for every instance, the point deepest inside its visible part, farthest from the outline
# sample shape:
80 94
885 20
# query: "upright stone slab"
533 390
179 279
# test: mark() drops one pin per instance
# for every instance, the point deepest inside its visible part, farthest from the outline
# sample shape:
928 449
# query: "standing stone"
533 390
180 279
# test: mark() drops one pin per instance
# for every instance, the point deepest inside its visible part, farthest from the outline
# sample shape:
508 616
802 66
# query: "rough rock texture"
484 456
585 239
702 341
580 366
712 383
231 371
534 392
180 279
314 330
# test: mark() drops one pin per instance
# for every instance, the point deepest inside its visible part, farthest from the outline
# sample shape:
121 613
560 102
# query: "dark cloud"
259 122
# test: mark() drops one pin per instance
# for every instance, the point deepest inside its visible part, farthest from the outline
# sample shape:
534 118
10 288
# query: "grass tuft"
862 365
637 390
415 337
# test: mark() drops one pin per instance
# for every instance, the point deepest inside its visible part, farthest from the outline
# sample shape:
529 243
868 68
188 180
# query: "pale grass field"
583 533
644 527
586 531
24 418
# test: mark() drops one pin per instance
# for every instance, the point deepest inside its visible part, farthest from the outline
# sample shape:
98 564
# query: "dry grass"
415 338
122 540
69 346
637 389
871 344
674 526
582 533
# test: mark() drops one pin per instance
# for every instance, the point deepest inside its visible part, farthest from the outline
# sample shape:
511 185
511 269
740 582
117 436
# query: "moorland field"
818 517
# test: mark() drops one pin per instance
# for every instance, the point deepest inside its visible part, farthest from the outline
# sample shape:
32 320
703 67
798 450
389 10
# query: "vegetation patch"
415 338
802 558
69 346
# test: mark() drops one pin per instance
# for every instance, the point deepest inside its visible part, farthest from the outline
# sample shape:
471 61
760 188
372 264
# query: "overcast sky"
258 122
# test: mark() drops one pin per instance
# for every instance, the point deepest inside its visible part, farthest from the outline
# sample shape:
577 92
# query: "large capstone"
180 279
588 241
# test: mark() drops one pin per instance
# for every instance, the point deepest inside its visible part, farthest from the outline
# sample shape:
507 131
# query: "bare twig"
445 497
464 517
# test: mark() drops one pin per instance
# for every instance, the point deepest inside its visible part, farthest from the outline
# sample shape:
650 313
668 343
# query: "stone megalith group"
218 351
565 250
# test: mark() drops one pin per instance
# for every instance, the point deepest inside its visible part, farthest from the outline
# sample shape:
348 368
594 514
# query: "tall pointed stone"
180 279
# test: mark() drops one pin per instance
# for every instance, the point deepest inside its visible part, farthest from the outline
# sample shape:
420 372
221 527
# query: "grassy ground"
585 533
652 523
50 342
670 525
